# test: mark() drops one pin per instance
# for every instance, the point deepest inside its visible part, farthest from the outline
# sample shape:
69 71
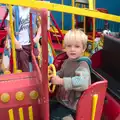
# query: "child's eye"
68 45
77 46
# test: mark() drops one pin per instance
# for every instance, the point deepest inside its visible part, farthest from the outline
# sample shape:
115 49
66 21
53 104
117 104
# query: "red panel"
111 108
96 59
58 61
85 102
20 82
57 46
1 50
3 34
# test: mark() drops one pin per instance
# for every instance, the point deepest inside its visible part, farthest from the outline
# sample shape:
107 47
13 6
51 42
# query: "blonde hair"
76 35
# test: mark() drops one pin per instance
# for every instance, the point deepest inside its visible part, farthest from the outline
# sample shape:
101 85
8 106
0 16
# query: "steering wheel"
51 71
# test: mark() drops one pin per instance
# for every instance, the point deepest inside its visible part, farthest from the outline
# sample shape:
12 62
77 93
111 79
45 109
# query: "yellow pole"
91 4
94 29
21 116
30 113
94 24
73 16
94 104
84 6
62 17
53 51
12 41
11 115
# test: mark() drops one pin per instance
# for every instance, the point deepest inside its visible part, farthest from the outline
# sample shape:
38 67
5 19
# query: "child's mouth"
72 54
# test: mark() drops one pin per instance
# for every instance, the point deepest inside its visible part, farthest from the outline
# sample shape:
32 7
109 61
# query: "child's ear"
64 50
84 49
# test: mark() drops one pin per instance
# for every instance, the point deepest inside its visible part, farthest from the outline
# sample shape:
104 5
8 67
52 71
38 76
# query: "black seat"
113 85
110 67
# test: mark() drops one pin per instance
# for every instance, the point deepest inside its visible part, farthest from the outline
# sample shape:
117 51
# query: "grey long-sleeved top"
77 78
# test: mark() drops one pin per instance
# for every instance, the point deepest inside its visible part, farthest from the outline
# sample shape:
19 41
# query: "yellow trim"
11 115
30 111
63 8
21 114
94 104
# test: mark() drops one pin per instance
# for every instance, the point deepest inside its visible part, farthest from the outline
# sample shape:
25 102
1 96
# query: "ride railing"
42 76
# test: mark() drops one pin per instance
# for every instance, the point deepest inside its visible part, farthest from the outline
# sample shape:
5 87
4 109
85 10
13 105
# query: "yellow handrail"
12 41
63 8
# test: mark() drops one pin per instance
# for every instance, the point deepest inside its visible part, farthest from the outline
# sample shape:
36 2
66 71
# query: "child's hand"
50 72
17 45
57 80
36 39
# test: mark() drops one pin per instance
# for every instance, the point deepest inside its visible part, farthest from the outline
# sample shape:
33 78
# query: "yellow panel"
63 8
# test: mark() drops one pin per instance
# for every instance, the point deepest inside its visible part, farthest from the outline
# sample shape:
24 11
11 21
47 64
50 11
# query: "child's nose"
72 48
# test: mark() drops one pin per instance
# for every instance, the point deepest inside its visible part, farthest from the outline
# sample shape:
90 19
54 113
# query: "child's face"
74 49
